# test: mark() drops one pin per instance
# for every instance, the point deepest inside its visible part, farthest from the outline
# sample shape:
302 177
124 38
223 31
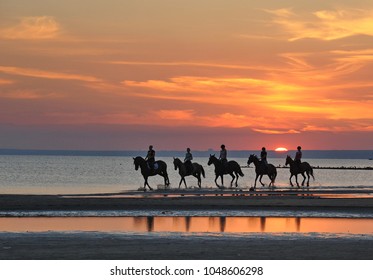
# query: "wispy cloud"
27 95
33 28
46 74
195 64
324 24
273 131
176 114
6 82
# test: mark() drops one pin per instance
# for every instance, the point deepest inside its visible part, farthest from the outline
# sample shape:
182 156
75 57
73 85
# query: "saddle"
155 166
189 167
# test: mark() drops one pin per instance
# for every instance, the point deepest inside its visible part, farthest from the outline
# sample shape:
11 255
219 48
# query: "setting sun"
281 149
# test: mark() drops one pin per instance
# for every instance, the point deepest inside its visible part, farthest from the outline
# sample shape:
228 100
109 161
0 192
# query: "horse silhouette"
261 170
296 169
196 171
231 167
147 172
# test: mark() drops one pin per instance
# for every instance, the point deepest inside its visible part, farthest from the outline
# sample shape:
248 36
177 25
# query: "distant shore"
308 154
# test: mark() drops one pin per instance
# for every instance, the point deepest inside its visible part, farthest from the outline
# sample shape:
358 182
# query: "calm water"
189 224
104 174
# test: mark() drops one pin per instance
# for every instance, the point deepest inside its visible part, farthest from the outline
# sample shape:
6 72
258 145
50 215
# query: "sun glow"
281 149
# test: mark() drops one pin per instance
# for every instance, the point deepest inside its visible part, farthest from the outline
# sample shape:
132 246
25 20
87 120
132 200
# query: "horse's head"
289 160
251 159
177 162
137 161
212 159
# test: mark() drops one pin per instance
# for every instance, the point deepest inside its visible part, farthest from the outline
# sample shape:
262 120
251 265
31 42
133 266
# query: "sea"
90 172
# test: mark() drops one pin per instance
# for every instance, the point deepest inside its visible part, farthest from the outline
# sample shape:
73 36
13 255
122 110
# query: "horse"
183 172
146 171
299 169
261 170
229 168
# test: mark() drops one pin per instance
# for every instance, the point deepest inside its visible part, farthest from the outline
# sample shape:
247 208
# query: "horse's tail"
311 172
240 171
274 176
203 172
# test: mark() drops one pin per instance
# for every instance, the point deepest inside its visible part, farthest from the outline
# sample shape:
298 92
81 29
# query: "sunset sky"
123 74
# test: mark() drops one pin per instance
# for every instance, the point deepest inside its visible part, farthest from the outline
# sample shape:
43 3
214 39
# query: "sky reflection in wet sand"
188 224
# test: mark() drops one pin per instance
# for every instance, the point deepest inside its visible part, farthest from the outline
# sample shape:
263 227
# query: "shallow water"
189 224
104 174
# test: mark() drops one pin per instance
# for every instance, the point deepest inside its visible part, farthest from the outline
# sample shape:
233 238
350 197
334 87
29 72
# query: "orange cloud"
33 28
46 74
176 114
324 24
272 131
6 82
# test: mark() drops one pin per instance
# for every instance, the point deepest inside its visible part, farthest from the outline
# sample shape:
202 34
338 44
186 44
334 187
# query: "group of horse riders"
222 166
150 158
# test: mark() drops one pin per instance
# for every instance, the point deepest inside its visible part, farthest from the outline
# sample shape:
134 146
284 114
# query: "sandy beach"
95 245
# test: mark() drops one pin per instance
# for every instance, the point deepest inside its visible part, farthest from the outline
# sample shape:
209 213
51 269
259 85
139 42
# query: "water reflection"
188 224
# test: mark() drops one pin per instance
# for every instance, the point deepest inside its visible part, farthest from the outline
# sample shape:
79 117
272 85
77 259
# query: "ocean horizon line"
330 154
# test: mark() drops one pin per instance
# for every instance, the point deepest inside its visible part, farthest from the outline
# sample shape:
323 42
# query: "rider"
150 158
223 155
263 159
298 156
188 161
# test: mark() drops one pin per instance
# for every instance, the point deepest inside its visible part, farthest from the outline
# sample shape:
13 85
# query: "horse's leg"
222 180
181 180
237 175
291 183
308 181
232 179
147 184
270 180
198 176
166 179
256 178
304 179
216 178
260 180
185 183
296 180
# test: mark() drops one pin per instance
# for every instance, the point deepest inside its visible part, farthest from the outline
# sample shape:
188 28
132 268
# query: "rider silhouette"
298 156
150 158
263 159
223 156
188 161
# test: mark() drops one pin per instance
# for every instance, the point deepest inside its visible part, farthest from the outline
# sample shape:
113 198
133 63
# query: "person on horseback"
263 159
150 158
298 157
223 156
188 161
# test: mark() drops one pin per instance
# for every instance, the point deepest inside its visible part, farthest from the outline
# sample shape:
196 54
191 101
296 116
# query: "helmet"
150 147
222 146
263 148
188 149
299 147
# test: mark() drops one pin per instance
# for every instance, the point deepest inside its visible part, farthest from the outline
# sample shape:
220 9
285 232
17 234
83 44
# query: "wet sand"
161 202
75 246
93 245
